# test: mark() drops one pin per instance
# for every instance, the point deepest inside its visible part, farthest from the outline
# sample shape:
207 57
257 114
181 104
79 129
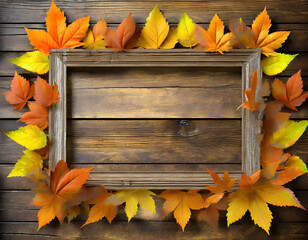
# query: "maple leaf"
223 185
291 94
27 164
94 39
214 39
125 37
38 115
101 209
254 195
58 35
36 62
20 92
155 34
73 212
186 31
44 94
181 202
274 65
258 35
241 35
132 198
30 136
64 185
251 94
287 136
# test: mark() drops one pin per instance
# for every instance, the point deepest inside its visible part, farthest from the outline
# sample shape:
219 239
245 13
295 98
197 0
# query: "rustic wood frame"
247 59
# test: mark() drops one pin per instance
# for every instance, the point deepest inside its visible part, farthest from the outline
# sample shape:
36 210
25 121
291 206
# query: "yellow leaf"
27 164
274 65
287 136
155 30
171 40
36 62
261 26
132 199
238 206
94 39
186 31
30 136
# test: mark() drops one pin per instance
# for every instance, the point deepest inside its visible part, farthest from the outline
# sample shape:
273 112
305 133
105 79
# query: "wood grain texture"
115 11
154 103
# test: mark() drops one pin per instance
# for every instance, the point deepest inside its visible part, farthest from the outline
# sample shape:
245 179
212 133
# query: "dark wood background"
18 219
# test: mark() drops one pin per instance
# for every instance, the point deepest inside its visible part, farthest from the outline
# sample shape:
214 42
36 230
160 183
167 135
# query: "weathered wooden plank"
152 230
14 11
14 38
21 210
8 69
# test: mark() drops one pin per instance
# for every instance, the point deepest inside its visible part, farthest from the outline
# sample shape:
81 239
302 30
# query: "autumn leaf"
287 136
30 136
154 34
251 94
64 185
291 94
101 209
132 198
20 92
242 36
95 38
214 39
36 62
58 35
38 115
186 31
73 212
125 37
223 185
180 203
274 65
254 195
27 164
258 35
44 94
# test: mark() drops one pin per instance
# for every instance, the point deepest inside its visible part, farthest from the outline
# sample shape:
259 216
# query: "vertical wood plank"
57 113
251 121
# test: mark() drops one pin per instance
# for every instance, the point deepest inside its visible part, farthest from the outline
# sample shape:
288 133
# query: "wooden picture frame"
247 59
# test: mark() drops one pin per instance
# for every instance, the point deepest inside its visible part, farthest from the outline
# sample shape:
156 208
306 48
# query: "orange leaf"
251 94
291 94
38 115
101 209
20 92
223 184
209 215
44 94
58 35
65 185
214 38
125 37
181 202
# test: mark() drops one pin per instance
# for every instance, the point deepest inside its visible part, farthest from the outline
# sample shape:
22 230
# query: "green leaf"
274 65
36 62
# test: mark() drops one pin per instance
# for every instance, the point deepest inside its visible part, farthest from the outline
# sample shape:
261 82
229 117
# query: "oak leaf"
155 34
44 94
254 195
132 198
95 38
125 37
291 94
30 136
58 35
27 164
214 39
20 92
187 31
101 209
38 115
36 62
180 203
65 184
